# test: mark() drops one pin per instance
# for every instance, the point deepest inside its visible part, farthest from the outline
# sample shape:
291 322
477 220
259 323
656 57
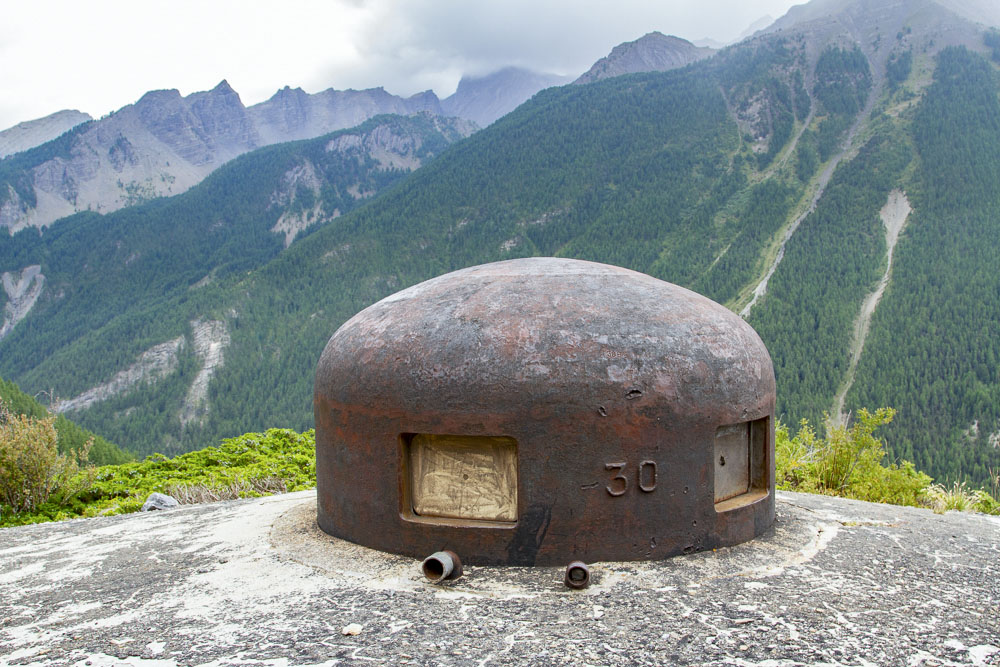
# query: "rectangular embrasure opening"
460 477
741 460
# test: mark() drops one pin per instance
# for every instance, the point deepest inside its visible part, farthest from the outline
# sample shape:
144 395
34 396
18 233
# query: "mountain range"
832 178
166 143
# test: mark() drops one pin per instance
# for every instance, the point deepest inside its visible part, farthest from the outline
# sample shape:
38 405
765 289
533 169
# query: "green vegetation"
690 176
119 284
843 83
807 324
991 38
107 267
898 68
32 471
71 438
843 80
848 462
251 465
851 463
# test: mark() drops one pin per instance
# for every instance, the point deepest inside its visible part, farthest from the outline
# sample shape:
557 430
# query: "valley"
769 176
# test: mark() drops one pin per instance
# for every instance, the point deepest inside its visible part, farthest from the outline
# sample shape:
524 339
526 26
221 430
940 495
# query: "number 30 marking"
619 482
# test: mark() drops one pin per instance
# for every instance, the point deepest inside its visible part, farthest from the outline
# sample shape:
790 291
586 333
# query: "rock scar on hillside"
894 215
824 179
23 289
155 363
210 342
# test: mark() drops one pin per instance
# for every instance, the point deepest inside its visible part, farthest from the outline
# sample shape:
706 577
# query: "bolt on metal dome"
540 411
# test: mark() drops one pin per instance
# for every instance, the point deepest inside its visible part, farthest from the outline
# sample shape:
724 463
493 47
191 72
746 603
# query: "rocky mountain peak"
158 98
483 99
33 133
424 101
653 52
223 88
884 27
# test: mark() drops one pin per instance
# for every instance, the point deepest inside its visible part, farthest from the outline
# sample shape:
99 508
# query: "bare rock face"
165 143
33 133
152 365
203 128
22 289
654 52
210 342
161 145
881 27
487 98
293 114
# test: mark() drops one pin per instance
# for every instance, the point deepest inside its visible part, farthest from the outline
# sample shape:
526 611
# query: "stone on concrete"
159 501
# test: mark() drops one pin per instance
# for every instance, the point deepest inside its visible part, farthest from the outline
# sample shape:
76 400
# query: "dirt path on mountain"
894 215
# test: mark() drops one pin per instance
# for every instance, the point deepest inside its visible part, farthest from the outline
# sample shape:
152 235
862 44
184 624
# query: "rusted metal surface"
441 566
577 575
539 411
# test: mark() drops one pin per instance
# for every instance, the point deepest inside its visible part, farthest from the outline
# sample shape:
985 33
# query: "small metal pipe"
441 566
577 575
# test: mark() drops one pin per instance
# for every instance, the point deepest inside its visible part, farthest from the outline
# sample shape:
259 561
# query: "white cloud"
100 55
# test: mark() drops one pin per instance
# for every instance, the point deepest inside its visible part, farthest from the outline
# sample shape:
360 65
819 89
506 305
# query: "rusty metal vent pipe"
542 411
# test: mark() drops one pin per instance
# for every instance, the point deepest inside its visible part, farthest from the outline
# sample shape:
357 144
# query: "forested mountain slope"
94 318
934 351
765 166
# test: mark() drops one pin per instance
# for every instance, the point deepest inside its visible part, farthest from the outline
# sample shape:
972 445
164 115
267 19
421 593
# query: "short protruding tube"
441 566
577 575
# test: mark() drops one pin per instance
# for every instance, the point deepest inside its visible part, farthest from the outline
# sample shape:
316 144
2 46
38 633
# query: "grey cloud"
412 45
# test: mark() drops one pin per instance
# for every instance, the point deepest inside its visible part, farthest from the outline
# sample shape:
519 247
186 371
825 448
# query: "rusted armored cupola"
539 411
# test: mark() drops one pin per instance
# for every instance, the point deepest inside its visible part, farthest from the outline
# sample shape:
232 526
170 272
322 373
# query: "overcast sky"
99 55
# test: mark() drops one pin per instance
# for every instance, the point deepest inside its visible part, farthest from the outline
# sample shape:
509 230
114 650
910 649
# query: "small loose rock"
351 629
159 501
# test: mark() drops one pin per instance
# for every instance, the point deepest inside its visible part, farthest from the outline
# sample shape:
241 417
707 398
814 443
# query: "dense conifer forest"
934 348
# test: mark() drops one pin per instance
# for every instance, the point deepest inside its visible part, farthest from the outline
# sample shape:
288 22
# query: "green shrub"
850 462
253 464
847 462
962 499
32 471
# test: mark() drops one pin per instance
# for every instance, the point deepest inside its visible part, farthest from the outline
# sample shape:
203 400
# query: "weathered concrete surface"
835 582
